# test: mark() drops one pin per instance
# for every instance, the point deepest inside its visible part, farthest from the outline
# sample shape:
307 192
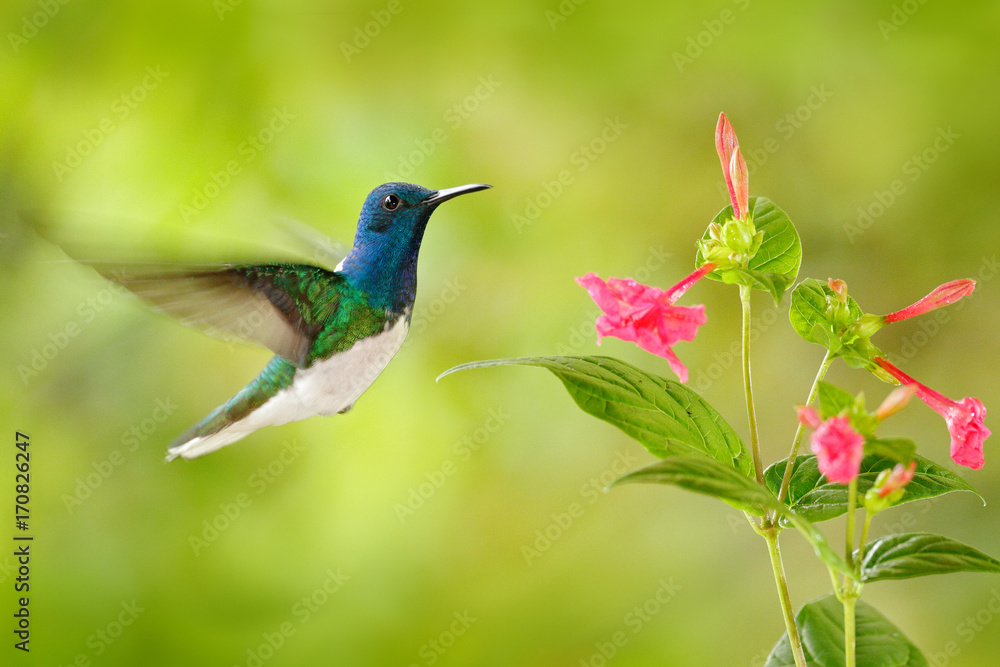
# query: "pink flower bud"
838 287
734 167
942 296
808 416
899 477
897 399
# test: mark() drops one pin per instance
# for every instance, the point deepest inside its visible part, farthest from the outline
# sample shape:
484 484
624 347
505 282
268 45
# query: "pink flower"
942 296
899 477
837 446
733 166
646 315
964 418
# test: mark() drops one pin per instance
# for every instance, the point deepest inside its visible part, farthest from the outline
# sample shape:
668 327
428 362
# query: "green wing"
283 307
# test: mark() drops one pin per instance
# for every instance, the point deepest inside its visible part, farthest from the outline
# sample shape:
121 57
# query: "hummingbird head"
383 260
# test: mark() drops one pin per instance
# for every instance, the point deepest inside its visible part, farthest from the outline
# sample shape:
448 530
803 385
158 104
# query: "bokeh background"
397 534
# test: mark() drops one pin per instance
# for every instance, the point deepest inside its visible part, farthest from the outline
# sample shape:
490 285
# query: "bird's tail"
234 419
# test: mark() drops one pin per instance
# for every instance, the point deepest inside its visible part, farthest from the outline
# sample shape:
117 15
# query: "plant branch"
852 506
786 480
748 386
864 531
794 641
849 630
851 589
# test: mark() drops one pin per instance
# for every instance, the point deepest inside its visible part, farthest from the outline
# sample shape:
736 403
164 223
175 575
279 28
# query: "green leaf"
775 283
780 251
777 261
704 475
921 554
808 310
665 416
900 450
822 336
878 643
807 314
833 400
811 496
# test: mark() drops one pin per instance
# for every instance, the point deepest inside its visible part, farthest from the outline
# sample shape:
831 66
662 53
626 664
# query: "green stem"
833 580
864 531
786 480
851 589
849 631
852 505
771 535
748 386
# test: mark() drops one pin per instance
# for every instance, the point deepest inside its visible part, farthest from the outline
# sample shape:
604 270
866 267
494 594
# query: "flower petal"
838 448
646 315
599 292
964 418
965 424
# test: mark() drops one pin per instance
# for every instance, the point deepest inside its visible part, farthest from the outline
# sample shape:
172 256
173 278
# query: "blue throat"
386 272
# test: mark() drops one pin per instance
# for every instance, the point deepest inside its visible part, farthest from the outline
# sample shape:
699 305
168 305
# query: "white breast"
325 388
332 385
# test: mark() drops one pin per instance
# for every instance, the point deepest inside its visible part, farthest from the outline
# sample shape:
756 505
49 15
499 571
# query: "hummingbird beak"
448 193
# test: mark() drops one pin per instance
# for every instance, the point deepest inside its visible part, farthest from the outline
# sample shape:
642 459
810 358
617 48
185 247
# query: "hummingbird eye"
390 202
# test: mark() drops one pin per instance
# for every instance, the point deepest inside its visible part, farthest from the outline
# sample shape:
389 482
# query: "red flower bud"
942 296
734 167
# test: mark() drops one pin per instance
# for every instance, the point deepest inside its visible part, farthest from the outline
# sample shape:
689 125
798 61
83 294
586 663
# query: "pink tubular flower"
646 315
733 166
942 296
964 418
838 449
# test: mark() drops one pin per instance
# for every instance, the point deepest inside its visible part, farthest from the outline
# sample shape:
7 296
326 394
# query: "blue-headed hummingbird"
332 332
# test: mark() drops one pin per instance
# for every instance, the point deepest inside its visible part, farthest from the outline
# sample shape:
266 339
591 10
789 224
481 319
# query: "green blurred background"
118 122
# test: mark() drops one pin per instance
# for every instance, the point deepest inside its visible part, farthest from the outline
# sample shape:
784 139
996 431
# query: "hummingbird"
332 332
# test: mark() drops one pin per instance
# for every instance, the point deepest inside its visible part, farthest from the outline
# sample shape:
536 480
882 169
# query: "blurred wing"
309 243
265 304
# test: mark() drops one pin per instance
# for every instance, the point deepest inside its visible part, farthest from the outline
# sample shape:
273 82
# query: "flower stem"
851 589
771 536
852 505
864 531
849 631
786 480
748 386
